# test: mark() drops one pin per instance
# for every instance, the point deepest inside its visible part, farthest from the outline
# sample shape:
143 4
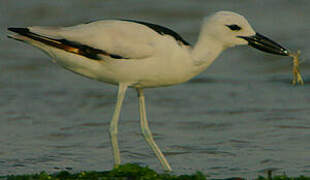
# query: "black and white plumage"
141 55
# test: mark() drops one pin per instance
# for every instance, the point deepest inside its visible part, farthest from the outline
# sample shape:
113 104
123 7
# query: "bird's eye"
234 27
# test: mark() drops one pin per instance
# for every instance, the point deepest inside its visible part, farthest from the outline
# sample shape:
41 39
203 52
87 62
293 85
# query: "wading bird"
140 55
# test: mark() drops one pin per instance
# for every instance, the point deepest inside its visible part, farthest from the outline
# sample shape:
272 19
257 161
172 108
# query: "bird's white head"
227 28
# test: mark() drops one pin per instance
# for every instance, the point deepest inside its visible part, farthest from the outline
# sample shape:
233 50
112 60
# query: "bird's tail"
24 34
42 37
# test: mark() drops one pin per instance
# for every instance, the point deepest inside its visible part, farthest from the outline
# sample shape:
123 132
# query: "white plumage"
141 55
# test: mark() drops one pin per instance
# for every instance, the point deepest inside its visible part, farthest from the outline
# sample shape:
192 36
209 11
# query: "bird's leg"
114 123
147 134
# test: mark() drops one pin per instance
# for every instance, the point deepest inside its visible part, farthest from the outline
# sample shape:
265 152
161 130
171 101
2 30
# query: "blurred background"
241 117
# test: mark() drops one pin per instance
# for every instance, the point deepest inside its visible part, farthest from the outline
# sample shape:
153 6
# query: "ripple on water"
95 124
270 162
234 112
287 80
178 149
136 155
70 146
58 136
269 169
292 127
241 144
198 125
282 114
214 80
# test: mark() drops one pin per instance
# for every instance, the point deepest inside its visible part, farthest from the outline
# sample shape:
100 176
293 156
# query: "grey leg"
114 123
147 134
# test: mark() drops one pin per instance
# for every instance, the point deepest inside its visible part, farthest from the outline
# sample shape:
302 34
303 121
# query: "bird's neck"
206 50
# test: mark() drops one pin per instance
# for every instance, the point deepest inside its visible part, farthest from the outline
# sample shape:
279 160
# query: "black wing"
161 30
66 45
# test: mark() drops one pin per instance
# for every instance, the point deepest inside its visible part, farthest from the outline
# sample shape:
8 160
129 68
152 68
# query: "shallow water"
241 117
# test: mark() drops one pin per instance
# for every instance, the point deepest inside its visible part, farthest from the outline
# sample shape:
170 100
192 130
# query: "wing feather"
69 46
118 39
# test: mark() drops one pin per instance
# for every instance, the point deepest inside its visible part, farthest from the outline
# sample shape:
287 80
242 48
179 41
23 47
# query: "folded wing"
98 40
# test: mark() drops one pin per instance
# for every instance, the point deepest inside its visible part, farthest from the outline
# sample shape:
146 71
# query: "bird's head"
232 29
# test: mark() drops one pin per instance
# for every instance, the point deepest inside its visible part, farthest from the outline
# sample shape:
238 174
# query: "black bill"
265 44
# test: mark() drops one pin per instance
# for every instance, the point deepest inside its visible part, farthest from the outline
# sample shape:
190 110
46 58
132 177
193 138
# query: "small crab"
297 78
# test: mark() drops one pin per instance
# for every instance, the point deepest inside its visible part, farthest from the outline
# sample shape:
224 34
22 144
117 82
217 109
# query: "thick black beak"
265 44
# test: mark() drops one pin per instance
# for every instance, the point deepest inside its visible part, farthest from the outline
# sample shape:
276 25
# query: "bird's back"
124 38
115 51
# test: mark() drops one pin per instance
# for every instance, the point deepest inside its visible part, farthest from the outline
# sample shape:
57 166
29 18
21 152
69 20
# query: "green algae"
128 172
284 177
123 172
